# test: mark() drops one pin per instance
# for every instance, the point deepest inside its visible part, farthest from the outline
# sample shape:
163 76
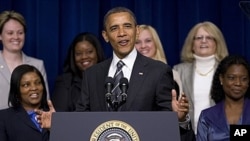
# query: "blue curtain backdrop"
52 24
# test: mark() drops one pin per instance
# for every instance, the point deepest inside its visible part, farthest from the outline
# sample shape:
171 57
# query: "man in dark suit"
149 89
150 81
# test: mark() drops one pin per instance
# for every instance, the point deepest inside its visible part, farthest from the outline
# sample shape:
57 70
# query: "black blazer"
149 89
15 125
66 92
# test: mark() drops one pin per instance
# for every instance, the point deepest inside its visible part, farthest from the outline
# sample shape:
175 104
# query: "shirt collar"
128 60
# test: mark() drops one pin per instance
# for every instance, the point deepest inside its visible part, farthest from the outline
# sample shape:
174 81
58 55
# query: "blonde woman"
203 49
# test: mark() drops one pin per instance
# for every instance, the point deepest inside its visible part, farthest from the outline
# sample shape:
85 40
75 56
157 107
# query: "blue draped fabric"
52 24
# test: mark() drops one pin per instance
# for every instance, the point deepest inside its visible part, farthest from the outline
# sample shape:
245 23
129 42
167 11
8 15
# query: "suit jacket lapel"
4 70
216 119
137 76
22 114
26 59
103 72
246 113
219 119
188 83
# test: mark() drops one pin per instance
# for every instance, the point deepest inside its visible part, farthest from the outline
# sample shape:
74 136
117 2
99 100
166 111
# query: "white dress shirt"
129 61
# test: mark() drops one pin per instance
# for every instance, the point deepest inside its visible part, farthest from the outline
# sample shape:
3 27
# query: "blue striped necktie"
118 75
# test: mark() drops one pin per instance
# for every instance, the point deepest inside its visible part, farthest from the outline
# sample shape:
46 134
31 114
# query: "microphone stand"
121 98
123 95
108 100
108 96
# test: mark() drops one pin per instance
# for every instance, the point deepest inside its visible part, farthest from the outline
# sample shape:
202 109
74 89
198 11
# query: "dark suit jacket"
15 125
67 92
149 87
213 126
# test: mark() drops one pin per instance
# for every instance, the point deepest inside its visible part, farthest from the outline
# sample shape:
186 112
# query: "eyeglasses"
201 38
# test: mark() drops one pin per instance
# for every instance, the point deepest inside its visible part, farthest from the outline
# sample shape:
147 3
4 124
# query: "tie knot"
120 64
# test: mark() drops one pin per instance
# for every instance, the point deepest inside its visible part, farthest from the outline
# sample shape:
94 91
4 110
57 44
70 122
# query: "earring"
221 83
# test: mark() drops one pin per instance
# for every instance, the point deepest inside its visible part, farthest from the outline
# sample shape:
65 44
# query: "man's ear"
104 35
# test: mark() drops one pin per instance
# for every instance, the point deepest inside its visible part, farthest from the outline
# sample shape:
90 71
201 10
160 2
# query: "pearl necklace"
204 74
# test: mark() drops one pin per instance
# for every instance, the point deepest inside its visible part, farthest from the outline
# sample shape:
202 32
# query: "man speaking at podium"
150 81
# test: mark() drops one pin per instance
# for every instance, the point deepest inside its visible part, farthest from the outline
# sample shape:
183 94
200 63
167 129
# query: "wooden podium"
120 126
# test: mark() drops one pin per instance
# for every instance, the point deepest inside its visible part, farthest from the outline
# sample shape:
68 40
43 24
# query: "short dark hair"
15 82
217 92
118 10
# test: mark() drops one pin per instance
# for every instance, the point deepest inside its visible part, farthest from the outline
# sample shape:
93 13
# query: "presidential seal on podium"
114 130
